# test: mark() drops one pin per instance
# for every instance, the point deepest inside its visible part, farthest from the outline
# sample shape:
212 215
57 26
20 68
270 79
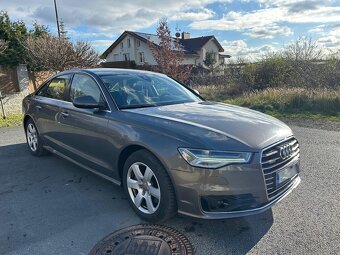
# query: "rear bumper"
241 213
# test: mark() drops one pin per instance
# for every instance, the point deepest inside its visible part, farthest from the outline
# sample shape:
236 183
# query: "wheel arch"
128 150
26 118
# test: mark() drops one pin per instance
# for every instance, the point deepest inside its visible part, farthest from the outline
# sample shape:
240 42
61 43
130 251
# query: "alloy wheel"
143 187
32 137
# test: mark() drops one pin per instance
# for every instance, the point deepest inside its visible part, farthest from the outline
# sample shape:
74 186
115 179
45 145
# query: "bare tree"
3 46
169 54
85 55
303 49
50 53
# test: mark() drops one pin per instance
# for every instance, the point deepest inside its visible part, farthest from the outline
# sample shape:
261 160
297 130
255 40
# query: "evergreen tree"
14 33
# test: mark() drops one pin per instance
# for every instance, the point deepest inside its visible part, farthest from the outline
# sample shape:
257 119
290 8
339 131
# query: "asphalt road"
50 206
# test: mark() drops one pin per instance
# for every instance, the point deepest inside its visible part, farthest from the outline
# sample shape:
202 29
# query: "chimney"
185 35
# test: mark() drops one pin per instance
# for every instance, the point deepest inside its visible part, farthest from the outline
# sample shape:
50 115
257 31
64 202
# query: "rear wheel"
148 187
33 139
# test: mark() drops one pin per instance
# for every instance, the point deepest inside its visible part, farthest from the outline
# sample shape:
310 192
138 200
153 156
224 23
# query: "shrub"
300 64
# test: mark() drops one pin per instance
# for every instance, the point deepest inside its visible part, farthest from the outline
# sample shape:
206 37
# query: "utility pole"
56 16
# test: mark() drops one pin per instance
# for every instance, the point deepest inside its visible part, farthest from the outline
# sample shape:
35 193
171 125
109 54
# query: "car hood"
252 128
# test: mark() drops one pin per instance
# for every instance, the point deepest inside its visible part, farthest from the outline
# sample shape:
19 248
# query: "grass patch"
293 103
12 120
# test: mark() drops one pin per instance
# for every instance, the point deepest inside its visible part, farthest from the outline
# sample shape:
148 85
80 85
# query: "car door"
46 107
84 137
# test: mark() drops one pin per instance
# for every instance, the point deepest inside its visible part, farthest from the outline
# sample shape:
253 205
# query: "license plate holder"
285 174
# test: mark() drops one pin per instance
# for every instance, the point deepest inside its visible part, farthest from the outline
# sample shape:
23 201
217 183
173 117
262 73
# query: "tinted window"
145 90
56 88
84 85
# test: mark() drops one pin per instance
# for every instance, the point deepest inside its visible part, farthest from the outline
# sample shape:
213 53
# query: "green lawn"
11 120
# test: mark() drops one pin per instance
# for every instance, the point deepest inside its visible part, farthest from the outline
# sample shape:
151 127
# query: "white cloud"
101 43
110 17
269 32
296 5
105 19
203 14
330 39
317 29
266 22
239 48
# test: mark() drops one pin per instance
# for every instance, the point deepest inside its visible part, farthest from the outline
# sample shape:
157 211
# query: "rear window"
56 88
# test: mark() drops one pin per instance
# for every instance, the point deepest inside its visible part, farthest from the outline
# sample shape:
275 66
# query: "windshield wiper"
137 106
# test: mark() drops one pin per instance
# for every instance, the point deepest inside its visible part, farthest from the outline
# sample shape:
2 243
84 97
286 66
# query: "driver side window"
84 85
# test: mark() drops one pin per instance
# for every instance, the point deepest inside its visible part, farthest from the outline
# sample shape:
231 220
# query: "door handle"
38 107
65 114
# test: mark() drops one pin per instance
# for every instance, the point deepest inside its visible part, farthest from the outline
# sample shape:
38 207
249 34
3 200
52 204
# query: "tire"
33 139
144 188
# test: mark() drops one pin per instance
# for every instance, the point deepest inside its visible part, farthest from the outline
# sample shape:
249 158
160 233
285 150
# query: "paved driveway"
49 206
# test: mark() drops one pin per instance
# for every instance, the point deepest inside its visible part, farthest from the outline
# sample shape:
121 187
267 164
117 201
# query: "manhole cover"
144 240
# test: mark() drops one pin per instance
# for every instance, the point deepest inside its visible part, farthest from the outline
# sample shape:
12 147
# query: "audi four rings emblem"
285 150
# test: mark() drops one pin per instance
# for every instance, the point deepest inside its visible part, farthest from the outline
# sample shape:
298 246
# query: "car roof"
103 71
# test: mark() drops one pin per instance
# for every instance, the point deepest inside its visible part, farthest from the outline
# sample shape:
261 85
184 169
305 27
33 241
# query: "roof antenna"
178 30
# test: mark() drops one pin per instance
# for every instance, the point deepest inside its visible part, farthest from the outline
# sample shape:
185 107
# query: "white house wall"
149 59
120 52
134 51
210 46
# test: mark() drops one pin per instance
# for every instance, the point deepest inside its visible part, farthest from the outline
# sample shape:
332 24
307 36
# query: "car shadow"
228 236
50 206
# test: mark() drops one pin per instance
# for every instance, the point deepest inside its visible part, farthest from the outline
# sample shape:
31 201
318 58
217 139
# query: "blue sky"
247 28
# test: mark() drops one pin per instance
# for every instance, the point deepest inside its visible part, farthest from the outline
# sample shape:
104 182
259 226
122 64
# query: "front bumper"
242 186
234 214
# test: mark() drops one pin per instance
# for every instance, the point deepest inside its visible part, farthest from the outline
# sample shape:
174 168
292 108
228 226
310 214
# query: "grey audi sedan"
168 148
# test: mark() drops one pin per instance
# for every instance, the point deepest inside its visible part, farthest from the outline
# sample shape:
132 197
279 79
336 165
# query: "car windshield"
146 90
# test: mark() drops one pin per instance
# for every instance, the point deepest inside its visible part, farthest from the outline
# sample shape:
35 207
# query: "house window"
127 57
121 45
128 43
115 57
141 57
138 43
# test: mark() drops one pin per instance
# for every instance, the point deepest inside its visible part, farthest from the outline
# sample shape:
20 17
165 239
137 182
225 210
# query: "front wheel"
148 187
33 139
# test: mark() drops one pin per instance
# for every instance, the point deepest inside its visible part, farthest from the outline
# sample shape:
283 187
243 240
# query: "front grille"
272 161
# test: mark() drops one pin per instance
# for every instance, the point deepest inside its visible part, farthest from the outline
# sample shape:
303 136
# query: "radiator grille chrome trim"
271 163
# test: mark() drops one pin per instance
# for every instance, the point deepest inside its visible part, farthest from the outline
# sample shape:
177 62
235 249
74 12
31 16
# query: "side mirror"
86 102
196 91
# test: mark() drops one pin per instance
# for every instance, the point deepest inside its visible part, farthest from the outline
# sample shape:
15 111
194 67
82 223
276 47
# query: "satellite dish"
178 35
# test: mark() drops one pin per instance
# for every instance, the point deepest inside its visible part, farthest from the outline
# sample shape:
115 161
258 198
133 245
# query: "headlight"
213 159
